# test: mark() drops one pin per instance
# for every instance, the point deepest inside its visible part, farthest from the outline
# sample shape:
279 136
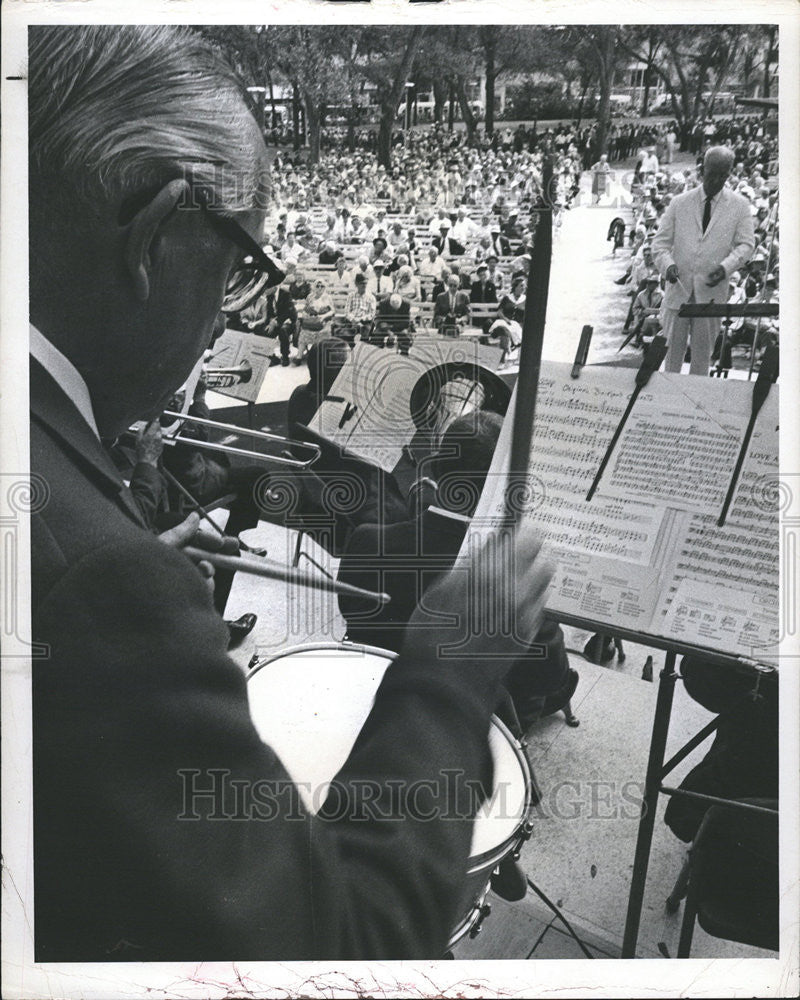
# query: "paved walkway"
582 288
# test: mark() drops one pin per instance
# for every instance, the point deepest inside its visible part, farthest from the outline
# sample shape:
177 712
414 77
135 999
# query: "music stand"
728 312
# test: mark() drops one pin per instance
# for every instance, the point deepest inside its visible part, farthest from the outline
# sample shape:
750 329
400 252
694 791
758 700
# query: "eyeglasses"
251 273
228 227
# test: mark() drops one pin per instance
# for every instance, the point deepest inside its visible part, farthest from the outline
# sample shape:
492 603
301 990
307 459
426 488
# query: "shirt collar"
64 373
716 197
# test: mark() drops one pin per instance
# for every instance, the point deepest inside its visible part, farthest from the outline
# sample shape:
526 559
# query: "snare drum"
309 704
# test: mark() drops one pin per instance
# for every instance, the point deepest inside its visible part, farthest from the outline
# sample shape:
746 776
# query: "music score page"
646 553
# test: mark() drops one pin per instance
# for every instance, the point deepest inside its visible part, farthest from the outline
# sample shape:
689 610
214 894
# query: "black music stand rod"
530 358
767 374
582 354
653 356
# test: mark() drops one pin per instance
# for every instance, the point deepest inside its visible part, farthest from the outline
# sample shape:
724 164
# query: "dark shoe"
509 881
599 649
274 361
239 629
285 362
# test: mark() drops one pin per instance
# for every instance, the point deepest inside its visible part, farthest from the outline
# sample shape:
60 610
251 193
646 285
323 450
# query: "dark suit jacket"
483 293
137 688
403 560
442 307
396 319
281 306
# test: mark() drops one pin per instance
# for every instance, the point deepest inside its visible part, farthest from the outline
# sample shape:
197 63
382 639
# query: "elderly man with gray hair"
705 235
164 828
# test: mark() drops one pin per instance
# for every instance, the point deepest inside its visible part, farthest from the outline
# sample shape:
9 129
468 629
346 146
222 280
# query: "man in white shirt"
379 283
440 219
432 265
362 267
649 163
461 233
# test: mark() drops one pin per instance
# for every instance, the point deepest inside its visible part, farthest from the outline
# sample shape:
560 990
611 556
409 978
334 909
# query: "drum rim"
479 862
312 647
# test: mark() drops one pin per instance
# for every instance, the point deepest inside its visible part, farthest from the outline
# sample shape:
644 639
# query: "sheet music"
632 563
235 347
368 411
723 618
737 562
680 443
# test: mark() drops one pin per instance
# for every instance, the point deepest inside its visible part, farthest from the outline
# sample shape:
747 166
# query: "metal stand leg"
647 819
679 889
687 928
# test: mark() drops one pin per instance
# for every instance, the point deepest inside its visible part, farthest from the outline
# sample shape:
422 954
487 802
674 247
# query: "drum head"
310 703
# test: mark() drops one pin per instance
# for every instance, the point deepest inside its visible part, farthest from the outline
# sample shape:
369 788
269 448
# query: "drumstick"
276 571
194 502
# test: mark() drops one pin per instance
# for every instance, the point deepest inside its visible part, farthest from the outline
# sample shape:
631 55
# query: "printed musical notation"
368 410
646 552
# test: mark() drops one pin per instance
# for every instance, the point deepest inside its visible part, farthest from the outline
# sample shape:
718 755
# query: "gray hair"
115 110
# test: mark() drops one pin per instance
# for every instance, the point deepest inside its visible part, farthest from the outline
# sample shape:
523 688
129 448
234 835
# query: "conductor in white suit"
705 235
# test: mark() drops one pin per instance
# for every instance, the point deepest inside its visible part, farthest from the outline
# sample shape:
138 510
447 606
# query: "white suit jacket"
680 240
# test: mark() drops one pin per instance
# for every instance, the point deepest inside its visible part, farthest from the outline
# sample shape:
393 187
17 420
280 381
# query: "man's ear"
142 231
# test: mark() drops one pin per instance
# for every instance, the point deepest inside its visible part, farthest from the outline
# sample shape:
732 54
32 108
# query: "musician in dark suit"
280 319
452 307
140 720
405 559
442 241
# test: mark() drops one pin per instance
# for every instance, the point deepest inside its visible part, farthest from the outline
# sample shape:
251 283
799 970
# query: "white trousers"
677 331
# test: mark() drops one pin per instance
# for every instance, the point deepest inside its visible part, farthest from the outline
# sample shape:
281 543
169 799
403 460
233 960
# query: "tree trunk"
768 60
439 98
385 139
581 103
295 118
606 54
491 75
451 106
391 99
469 118
646 94
271 90
314 126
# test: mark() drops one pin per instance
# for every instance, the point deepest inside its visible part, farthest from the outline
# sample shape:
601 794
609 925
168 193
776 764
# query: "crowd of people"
449 224
751 175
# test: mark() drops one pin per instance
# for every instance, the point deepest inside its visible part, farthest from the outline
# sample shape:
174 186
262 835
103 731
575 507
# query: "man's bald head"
717 165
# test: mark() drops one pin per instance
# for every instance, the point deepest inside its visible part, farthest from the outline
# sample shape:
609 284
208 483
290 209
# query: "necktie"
706 214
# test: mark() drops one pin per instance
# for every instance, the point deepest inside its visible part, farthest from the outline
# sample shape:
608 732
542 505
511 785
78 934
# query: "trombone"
294 463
